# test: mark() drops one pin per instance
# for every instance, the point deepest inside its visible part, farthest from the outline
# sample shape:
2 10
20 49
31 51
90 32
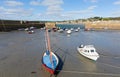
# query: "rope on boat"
49 47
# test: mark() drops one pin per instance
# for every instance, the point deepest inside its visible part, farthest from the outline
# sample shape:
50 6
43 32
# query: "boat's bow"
48 63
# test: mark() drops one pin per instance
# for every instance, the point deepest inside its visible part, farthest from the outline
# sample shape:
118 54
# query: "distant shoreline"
8 25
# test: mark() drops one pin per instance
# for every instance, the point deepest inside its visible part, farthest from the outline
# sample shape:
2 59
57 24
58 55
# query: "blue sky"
57 10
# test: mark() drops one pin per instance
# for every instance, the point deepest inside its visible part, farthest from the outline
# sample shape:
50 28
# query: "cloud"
15 12
88 10
54 9
117 2
13 3
80 13
46 2
52 2
92 7
116 13
93 1
53 6
35 3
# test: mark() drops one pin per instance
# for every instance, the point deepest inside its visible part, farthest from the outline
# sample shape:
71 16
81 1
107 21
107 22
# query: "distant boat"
88 51
30 31
60 30
21 29
69 31
76 30
49 30
87 29
26 29
49 60
31 28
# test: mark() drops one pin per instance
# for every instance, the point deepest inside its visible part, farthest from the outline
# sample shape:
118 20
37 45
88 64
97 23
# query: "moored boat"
30 31
60 30
69 31
88 51
76 30
49 59
50 65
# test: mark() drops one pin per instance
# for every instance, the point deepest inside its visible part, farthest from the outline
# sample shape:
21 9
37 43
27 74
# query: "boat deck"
50 63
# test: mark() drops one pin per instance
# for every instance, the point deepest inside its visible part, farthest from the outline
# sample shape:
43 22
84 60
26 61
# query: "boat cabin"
88 48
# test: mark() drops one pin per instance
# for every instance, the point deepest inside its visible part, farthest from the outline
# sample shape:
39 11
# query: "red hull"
48 69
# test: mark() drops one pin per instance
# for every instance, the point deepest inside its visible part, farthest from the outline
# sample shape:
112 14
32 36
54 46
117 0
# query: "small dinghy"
88 51
49 60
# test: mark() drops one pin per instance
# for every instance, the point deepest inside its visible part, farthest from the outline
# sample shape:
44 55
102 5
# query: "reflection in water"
68 35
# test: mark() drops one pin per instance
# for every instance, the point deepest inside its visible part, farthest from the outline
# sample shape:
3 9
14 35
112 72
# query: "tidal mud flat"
21 53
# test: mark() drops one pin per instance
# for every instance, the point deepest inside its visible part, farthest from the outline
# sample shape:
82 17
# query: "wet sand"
21 53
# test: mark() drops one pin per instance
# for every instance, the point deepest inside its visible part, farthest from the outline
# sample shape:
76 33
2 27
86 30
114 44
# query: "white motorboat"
31 28
26 29
69 31
31 32
88 51
66 29
60 30
76 30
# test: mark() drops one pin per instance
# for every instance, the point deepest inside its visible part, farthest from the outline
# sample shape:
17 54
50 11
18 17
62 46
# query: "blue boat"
49 60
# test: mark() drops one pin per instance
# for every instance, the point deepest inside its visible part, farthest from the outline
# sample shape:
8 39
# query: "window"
88 50
92 50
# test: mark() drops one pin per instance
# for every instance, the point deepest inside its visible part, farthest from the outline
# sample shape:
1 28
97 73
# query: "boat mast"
48 46
46 41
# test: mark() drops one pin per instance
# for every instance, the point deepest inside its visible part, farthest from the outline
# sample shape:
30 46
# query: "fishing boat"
49 59
88 51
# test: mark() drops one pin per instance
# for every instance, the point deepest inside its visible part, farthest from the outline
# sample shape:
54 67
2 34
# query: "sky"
58 10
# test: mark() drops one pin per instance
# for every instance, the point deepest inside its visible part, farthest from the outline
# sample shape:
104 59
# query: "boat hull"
94 58
51 71
49 68
69 32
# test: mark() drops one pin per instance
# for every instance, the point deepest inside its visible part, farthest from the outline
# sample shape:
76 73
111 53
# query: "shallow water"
21 53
